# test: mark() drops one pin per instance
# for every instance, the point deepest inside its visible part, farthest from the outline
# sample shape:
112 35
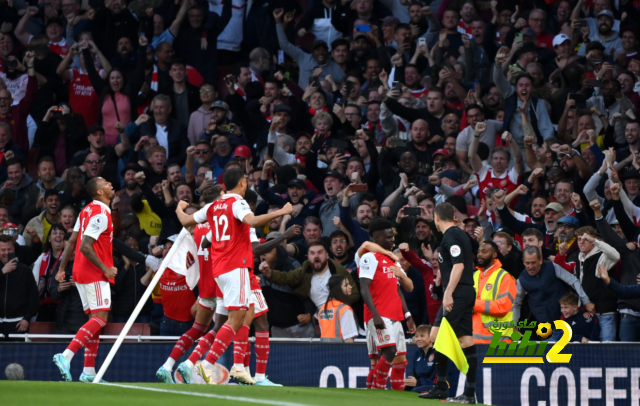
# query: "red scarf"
314 112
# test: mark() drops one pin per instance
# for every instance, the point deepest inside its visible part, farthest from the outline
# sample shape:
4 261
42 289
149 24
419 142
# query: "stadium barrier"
598 374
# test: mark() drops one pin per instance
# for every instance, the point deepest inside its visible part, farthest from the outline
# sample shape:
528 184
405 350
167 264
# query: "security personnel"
336 317
495 292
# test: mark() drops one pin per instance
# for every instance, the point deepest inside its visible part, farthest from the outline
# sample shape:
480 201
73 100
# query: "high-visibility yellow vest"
490 291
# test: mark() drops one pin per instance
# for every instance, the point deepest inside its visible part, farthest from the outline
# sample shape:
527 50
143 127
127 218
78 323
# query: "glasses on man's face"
564 226
206 90
91 161
499 242
452 121
339 241
202 151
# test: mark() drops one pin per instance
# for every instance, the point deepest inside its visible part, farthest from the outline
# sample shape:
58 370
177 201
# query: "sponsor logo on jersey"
455 251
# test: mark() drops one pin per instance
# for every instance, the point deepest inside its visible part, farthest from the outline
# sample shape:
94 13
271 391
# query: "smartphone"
422 41
225 128
280 57
208 175
399 143
519 37
11 256
232 128
608 59
412 211
437 165
582 23
350 138
361 187
363 28
397 85
270 148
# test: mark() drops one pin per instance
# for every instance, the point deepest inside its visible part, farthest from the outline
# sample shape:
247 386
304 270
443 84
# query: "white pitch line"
211 395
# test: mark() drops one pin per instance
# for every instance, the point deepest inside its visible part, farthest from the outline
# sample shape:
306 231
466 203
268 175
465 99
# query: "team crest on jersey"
489 286
106 301
431 357
387 338
190 260
503 183
587 315
455 251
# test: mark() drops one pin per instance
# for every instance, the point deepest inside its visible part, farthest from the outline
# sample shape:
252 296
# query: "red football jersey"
208 287
384 286
177 298
94 221
508 181
253 280
83 98
231 243
60 48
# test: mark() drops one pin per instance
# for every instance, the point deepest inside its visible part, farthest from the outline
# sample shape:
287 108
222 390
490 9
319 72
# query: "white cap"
560 38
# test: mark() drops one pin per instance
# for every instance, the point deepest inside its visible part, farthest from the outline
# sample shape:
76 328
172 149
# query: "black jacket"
48 132
629 259
18 293
128 289
176 137
70 315
17 151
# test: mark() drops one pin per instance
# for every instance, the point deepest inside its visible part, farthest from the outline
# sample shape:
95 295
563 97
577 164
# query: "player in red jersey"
231 258
207 302
93 271
384 306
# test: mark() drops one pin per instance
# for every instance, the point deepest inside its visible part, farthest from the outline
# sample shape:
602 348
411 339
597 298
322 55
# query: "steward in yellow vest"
495 293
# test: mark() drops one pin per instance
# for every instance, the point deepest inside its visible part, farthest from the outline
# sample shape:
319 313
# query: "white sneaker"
241 376
205 374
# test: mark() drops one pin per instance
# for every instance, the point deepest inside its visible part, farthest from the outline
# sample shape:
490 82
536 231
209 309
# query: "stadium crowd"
521 115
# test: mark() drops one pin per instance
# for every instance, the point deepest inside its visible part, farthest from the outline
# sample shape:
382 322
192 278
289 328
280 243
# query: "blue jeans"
170 327
630 329
607 326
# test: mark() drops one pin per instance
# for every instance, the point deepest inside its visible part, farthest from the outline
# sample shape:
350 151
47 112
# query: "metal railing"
28 338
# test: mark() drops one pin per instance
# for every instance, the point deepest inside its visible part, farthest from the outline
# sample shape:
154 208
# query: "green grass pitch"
72 394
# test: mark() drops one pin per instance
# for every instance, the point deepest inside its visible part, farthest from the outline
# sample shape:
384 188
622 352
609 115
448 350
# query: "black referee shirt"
455 248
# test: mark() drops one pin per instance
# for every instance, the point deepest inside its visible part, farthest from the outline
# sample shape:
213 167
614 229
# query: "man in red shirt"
93 271
384 306
230 219
16 116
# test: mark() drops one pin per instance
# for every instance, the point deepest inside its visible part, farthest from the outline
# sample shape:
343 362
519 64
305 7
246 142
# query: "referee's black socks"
472 359
441 366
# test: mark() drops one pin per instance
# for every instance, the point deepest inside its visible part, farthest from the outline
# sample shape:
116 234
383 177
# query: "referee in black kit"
456 268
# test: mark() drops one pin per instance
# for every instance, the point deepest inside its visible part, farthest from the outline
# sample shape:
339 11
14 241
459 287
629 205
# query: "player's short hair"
504 235
531 250
533 232
232 178
211 194
444 211
92 186
569 298
231 163
423 328
251 197
379 224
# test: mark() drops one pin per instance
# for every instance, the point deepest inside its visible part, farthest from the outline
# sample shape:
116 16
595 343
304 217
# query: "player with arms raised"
230 219
93 271
384 305
208 290
456 267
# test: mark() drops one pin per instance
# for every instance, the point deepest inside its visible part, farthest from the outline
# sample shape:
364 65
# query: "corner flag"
185 260
447 343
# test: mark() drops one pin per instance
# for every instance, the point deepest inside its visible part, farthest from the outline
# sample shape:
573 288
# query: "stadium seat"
116 328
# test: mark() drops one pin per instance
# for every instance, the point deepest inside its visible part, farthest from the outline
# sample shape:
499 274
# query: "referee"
456 268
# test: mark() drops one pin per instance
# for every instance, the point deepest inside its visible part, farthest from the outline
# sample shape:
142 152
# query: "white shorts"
257 300
391 335
95 296
235 289
371 345
213 303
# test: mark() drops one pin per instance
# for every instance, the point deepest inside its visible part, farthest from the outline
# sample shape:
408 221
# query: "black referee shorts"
461 315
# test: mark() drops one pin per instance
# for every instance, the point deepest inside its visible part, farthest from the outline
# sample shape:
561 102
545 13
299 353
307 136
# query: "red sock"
91 350
371 377
221 343
382 373
397 375
240 342
262 351
186 341
203 346
85 333
247 356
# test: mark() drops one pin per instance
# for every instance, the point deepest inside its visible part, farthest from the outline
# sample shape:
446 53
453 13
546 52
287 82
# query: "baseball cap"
282 107
449 174
569 220
594 45
273 235
441 151
528 32
606 13
560 39
555 207
95 128
562 154
243 152
297 183
319 43
219 104
390 20
471 218
335 174
131 166
614 222
632 174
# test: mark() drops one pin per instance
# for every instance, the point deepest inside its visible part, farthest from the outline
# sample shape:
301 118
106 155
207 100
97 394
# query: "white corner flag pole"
138 309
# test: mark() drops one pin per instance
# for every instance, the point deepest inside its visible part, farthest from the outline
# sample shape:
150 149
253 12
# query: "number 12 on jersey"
223 222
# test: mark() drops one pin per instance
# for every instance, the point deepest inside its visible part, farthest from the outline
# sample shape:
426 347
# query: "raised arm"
174 29
476 161
21 29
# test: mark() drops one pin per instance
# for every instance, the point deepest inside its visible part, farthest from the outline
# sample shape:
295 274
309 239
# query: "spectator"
70 316
23 188
43 273
45 221
16 115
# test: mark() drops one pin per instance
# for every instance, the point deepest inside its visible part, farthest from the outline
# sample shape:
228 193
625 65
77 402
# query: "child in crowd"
424 365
